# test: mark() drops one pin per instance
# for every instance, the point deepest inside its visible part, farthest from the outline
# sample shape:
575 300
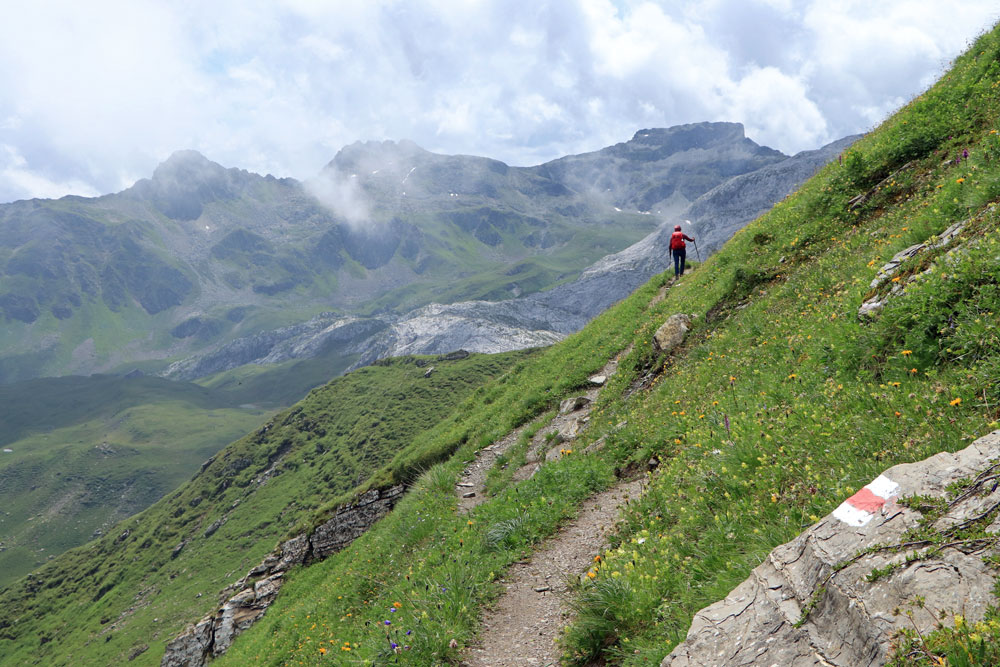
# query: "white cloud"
19 178
795 122
100 91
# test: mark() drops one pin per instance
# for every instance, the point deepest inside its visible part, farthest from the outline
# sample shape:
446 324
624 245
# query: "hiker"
679 250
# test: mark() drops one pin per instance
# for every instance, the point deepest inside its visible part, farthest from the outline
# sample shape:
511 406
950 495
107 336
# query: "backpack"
677 240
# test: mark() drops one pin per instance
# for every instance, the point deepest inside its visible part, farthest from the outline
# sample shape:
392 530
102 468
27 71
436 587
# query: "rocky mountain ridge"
198 255
543 317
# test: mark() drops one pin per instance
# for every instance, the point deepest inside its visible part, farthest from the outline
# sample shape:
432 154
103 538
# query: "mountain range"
202 263
161 276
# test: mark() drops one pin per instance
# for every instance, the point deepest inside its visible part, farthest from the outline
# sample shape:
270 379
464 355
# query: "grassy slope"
97 603
780 404
86 452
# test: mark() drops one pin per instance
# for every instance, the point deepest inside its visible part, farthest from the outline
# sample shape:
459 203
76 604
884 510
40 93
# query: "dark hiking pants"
680 258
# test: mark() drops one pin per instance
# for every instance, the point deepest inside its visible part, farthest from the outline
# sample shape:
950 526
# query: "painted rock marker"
859 509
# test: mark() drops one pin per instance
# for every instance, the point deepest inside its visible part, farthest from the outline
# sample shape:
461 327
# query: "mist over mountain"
543 317
199 256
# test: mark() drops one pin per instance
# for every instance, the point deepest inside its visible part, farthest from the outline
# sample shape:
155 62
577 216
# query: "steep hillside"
82 453
110 465
199 255
153 571
782 401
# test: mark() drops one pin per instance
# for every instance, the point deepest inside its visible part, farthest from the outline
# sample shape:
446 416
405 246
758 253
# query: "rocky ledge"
214 634
837 594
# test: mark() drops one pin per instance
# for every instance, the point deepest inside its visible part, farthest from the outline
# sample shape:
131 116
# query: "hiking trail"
522 627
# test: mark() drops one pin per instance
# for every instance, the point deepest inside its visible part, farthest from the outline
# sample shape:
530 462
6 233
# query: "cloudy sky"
97 93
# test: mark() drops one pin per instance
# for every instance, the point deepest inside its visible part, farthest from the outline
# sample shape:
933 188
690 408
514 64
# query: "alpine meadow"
814 355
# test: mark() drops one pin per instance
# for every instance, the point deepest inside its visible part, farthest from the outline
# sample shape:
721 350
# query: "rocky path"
471 488
574 413
523 626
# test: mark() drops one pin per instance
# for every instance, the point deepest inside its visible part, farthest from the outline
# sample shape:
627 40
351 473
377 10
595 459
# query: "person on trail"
679 250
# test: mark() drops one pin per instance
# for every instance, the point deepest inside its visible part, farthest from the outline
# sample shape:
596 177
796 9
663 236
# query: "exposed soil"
523 626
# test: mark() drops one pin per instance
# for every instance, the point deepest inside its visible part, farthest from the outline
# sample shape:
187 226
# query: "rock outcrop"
672 332
885 274
836 594
256 591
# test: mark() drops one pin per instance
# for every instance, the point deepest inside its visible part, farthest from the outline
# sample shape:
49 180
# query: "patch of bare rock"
849 619
245 601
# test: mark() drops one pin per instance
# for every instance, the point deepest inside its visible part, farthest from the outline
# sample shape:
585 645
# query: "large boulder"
813 601
672 332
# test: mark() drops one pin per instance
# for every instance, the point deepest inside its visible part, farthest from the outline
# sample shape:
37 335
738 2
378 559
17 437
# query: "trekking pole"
697 252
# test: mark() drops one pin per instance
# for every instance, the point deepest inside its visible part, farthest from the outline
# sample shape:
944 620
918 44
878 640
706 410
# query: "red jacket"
677 240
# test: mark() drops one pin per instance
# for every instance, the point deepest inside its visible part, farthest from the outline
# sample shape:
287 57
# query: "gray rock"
853 619
573 404
890 267
870 308
350 522
190 648
672 332
293 552
237 614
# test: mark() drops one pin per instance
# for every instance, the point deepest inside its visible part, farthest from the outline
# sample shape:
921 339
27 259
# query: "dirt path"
472 486
572 418
523 627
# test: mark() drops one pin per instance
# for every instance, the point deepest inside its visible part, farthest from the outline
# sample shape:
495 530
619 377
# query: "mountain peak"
187 165
692 135
705 130
365 154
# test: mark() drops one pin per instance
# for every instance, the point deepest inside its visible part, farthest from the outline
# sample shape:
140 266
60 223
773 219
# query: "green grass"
96 603
779 405
86 452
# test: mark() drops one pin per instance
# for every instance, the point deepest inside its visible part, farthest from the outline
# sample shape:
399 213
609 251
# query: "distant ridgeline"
199 256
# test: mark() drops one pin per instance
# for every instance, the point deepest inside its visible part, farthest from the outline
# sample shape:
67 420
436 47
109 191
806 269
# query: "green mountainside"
82 453
781 402
199 255
155 570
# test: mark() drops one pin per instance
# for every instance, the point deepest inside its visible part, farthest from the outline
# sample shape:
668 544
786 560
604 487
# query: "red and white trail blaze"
859 509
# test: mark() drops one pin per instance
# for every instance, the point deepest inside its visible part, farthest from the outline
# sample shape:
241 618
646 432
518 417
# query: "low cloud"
342 196
107 91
